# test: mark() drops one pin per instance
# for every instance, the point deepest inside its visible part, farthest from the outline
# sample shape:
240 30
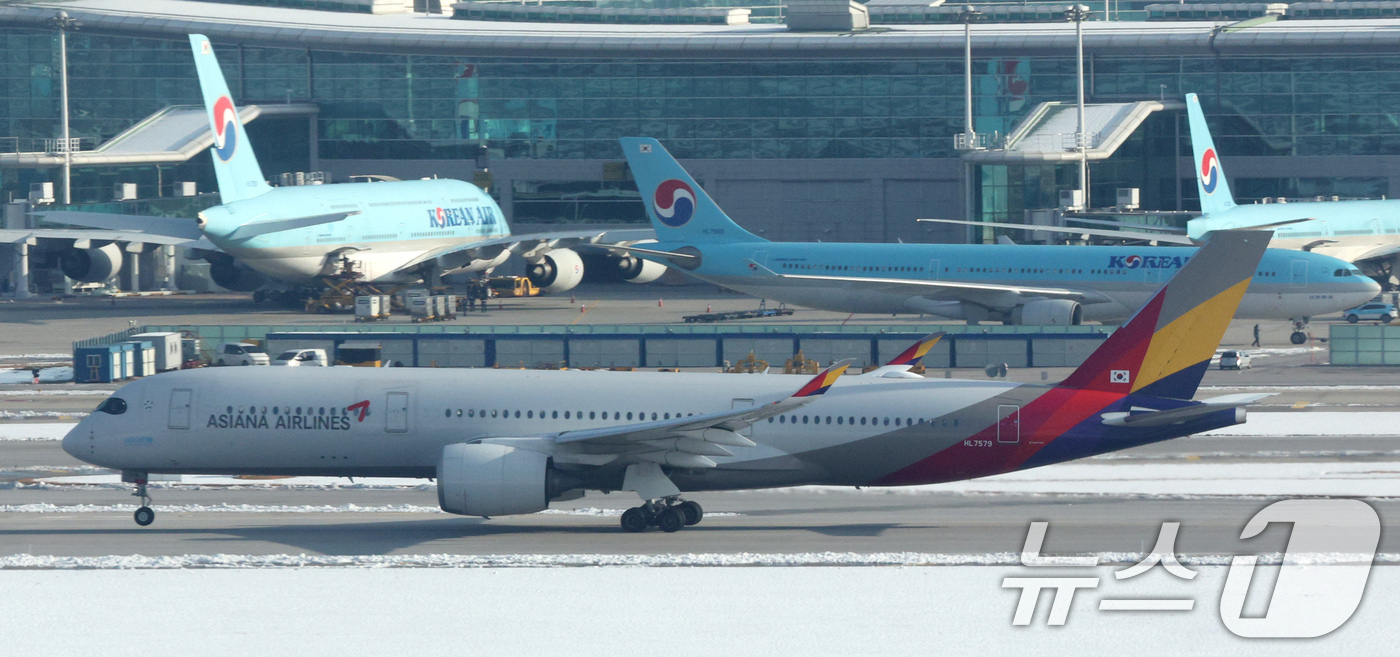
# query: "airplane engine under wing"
1048 312
231 274
91 265
492 480
560 270
637 270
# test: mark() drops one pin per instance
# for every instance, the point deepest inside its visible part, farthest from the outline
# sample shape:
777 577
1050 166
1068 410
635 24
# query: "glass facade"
390 107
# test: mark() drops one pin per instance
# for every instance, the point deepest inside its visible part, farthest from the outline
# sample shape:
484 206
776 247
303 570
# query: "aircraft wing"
174 227
15 236
683 441
537 242
1163 238
968 290
1359 252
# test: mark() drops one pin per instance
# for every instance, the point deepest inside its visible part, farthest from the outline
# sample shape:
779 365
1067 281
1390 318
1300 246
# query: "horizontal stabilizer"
278 225
1154 418
177 227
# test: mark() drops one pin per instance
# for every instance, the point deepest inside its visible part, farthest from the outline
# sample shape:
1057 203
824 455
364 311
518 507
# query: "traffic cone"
707 307
660 303
583 308
571 298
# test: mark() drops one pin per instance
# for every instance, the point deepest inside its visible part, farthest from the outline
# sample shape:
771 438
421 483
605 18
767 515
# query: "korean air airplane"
399 231
503 442
1365 233
1017 284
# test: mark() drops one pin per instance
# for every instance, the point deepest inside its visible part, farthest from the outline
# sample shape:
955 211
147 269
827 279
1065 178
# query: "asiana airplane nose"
72 441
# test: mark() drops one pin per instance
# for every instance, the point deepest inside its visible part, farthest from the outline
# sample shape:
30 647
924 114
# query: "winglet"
917 351
822 381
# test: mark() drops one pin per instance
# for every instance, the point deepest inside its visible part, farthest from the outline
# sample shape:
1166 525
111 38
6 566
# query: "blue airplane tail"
1210 176
235 166
680 211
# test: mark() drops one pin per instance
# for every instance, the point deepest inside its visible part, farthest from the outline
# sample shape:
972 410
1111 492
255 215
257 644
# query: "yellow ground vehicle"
512 286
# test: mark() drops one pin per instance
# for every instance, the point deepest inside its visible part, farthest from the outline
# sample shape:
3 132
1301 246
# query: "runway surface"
62 519
367 519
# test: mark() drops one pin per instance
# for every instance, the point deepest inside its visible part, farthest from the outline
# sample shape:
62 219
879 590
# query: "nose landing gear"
1299 336
144 515
670 514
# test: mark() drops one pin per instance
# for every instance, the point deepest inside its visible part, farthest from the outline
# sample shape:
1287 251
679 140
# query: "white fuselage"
392 226
305 420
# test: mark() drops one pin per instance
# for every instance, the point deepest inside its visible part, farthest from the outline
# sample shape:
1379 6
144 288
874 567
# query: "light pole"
968 15
63 23
1078 14
969 137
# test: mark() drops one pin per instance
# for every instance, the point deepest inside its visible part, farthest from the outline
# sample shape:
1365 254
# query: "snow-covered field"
26 431
611 611
46 375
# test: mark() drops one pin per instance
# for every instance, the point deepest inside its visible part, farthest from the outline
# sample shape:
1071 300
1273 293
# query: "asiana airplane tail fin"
1165 349
1210 176
679 209
235 166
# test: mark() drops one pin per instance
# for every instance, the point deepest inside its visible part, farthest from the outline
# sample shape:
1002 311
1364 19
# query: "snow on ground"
46 375
673 560
4 357
25 431
47 392
1321 423
592 511
609 611
200 481
1182 478
1178 479
35 415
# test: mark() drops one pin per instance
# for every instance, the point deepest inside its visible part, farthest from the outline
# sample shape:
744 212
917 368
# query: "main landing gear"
669 513
144 515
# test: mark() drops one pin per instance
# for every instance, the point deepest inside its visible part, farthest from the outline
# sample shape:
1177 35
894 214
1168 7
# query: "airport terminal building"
812 120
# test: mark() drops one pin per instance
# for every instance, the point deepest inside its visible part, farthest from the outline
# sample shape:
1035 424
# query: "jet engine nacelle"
91 265
1048 312
560 270
637 270
475 479
231 274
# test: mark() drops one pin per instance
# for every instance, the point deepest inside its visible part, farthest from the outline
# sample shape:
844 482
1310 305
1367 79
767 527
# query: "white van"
302 358
240 353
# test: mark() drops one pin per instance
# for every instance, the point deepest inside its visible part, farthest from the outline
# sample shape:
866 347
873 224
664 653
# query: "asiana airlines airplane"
503 442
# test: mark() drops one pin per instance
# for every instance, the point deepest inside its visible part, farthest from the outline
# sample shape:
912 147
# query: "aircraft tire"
634 520
144 516
1298 337
671 520
693 512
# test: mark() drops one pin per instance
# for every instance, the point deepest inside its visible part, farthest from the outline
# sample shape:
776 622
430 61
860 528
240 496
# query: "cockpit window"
112 406
1342 272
